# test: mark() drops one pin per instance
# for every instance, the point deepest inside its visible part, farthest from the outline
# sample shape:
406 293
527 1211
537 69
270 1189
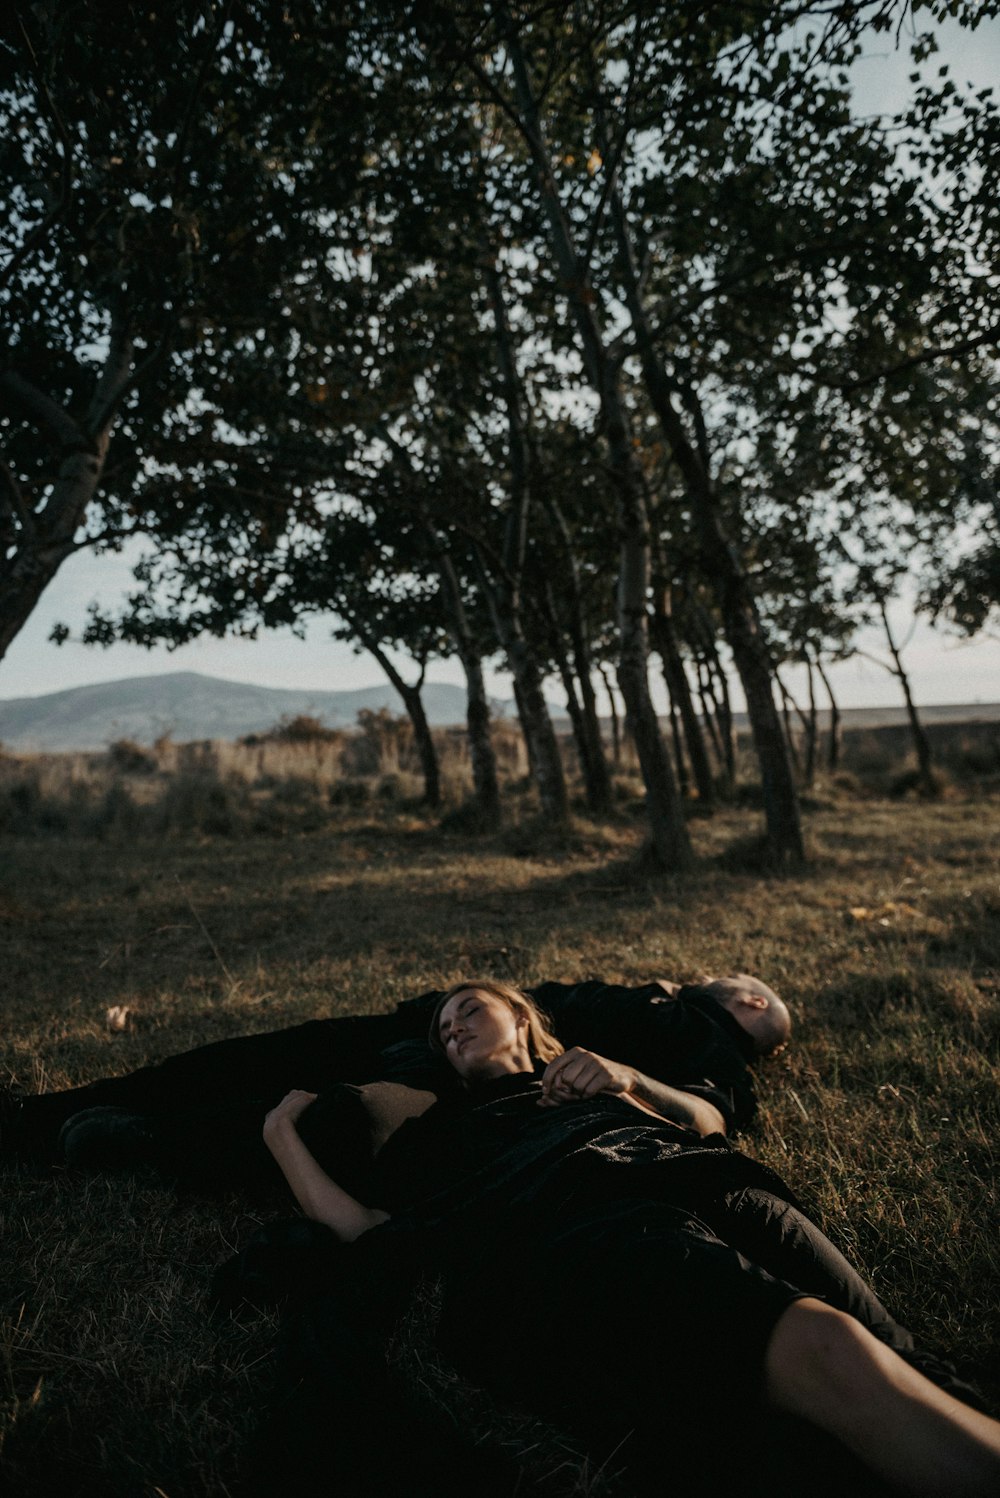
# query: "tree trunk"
540 736
413 703
425 745
665 639
835 744
41 540
529 747
740 620
34 566
668 832
717 691
616 732
597 776
680 763
670 841
812 730
590 753
921 743
786 717
503 592
710 712
484 765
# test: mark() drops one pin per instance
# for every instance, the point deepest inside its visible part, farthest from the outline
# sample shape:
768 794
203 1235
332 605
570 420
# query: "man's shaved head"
754 1006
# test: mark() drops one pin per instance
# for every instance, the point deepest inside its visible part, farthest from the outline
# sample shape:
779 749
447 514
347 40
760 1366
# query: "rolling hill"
188 706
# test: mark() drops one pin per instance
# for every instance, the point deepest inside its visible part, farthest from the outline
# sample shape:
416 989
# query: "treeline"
586 338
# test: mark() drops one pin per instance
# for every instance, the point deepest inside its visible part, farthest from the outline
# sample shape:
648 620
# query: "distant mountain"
188 706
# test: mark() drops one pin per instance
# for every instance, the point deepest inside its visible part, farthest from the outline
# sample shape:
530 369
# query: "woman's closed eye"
448 1034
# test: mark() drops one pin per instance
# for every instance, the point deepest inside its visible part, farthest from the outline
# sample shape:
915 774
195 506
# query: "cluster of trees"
556 332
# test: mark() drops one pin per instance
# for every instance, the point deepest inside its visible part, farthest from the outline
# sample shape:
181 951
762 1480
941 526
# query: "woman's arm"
319 1197
580 1074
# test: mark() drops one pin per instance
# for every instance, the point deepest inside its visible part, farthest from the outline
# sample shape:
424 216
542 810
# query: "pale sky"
943 669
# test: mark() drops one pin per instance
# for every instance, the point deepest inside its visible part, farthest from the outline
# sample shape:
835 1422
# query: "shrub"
131 758
978 756
302 728
350 793
911 783
197 803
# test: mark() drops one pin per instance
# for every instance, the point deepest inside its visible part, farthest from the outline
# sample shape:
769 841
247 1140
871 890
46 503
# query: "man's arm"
578 1073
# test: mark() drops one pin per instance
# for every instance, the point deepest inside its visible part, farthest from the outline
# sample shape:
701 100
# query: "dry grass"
294 779
883 1115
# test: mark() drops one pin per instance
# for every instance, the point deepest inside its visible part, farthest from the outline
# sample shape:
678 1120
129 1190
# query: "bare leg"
825 1367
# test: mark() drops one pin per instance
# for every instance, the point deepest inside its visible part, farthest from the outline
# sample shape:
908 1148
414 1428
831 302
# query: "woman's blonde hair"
542 1043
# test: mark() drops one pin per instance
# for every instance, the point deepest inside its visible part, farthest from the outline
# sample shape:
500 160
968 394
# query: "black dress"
608 1270
594 1269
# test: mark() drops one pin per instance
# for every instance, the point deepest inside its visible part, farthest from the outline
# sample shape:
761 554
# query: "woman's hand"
581 1074
286 1114
319 1197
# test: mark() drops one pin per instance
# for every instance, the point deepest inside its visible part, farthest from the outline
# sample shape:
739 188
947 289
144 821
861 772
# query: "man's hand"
287 1112
581 1074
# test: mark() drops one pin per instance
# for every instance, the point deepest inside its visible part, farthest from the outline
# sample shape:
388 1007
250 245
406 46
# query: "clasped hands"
288 1111
578 1074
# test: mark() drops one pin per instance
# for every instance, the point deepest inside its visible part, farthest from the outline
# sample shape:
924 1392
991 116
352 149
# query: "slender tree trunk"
786 717
921 743
503 591
539 734
835 744
665 638
600 784
616 732
529 746
669 836
597 777
718 692
594 783
812 731
413 703
484 765
710 713
740 619
680 762
429 766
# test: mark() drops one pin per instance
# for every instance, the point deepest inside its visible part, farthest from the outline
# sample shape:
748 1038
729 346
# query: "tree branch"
952 351
43 411
15 503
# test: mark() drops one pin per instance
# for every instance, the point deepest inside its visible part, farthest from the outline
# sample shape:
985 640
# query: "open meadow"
883 1114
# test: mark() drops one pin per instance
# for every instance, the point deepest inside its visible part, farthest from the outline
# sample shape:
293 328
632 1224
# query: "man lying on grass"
693 1042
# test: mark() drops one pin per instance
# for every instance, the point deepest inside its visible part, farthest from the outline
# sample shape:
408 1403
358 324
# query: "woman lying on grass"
641 1282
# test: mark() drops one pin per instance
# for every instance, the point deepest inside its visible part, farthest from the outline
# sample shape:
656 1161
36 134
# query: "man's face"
482 1036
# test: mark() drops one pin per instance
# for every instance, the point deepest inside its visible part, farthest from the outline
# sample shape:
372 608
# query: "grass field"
884 1113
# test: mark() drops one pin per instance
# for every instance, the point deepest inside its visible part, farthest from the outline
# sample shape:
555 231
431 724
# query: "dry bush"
292 778
130 758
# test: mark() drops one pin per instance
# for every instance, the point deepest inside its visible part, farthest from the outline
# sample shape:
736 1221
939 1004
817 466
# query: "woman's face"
482 1036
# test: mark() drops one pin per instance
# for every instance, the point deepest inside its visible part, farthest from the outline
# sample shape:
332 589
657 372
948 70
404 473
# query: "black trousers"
222 1080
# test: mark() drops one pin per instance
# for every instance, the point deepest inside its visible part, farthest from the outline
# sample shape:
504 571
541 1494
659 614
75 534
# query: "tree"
149 201
662 233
